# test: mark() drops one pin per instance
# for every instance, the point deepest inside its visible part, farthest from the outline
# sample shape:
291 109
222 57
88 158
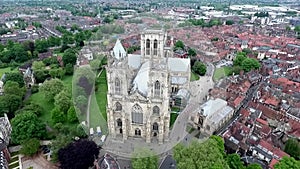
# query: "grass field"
5 70
173 118
221 72
101 94
194 76
39 99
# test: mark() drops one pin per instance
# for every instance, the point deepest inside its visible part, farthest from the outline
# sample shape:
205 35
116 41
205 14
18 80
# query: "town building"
5 130
140 88
211 116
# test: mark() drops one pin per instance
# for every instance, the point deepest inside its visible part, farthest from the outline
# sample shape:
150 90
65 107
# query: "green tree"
51 88
199 68
30 147
16 77
254 166
38 65
287 163
69 69
71 114
200 155
9 104
179 44
40 76
292 147
229 22
69 57
249 64
13 88
234 161
192 52
57 116
26 126
240 57
41 45
63 101
59 142
144 159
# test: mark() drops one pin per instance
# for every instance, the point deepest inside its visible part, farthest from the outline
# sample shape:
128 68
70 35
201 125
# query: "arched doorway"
137 132
155 129
119 126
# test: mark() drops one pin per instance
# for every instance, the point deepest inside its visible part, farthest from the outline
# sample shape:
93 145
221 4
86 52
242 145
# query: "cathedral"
141 87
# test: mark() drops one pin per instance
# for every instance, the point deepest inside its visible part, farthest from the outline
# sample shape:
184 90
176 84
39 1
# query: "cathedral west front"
140 88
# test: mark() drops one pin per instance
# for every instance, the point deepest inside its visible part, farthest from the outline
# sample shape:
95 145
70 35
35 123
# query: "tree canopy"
144 159
199 68
79 154
51 88
63 100
179 44
292 147
16 77
30 147
25 126
69 57
200 155
287 163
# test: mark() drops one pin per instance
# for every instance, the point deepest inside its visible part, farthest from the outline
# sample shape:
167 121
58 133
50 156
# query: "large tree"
30 147
234 161
179 45
249 64
240 57
12 87
69 57
78 155
254 166
199 68
200 155
287 163
292 147
26 126
144 159
16 77
38 65
63 100
9 104
51 88
57 116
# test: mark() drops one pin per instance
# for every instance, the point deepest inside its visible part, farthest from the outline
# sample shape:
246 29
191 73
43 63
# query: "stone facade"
140 87
211 116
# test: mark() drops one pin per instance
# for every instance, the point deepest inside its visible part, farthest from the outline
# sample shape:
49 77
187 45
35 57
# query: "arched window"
137 114
155 126
147 47
117 86
157 88
119 123
155 47
156 110
118 106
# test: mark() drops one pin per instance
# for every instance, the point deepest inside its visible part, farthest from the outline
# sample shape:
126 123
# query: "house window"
157 88
155 47
117 86
147 47
155 110
155 126
137 114
119 123
118 106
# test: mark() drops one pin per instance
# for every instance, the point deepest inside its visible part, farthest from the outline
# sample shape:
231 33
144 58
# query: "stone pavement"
123 149
37 162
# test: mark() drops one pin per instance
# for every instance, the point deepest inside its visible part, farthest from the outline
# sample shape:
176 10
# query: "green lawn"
5 70
221 72
194 76
101 94
173 118
39 99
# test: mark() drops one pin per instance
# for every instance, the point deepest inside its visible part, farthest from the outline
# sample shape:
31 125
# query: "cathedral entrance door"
137 132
